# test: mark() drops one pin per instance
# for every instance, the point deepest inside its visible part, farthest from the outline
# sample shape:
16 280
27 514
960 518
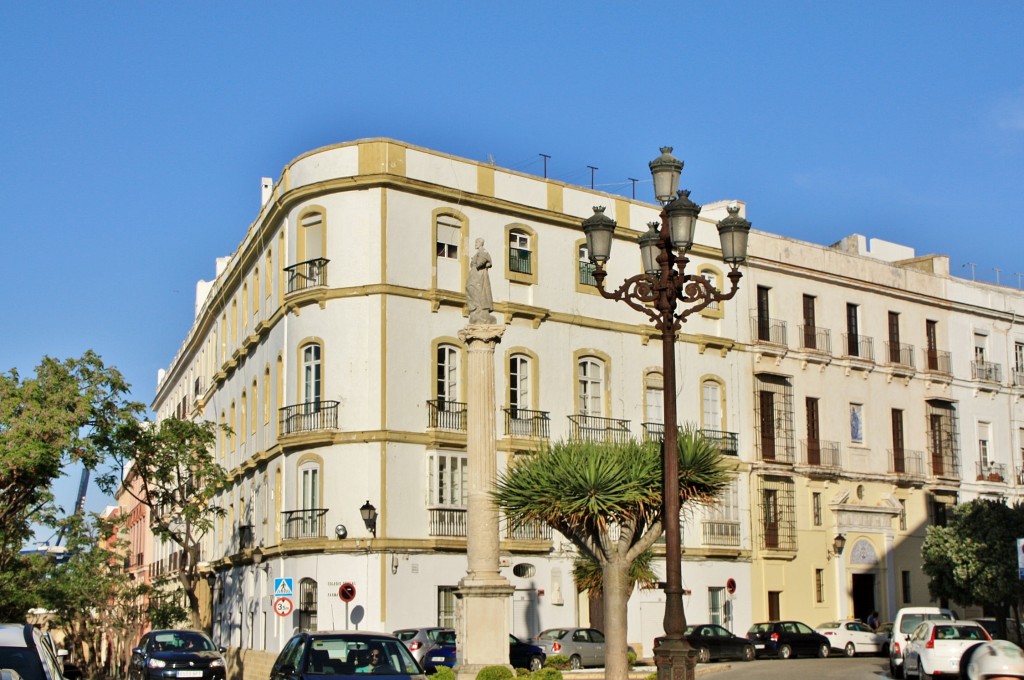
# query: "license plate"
190 674
758 646
437 658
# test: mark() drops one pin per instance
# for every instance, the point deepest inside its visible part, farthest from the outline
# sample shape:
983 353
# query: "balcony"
991 472
858 346
311 416
526 423
722 533
776 450
520 260
596 429
534 531
450 522
653 432
987 371
944 463
821 454
728 442
907 465
937 361
900 354
772 331
303 523
446 415
815 339
306 275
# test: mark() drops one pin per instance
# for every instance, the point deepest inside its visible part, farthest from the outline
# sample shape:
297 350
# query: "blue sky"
133 134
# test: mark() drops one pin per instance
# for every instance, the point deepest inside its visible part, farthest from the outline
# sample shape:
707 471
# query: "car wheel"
703 655
785 652
850 649
748 653
536 663
824 649
895 671
575 662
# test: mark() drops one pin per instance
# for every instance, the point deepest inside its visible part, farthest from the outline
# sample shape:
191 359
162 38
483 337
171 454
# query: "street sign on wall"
283 606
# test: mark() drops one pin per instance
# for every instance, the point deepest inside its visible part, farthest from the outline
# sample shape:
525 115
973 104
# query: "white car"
935 647
853 637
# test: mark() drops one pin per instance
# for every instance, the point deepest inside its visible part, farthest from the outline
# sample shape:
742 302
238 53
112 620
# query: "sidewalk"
641 672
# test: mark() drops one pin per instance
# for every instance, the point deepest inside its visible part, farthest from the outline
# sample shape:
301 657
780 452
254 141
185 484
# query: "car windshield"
959 633
180 641
349 654
912 621
23 660
761 628
553 634
829 624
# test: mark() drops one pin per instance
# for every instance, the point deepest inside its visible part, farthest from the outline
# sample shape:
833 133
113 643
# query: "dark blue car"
520 654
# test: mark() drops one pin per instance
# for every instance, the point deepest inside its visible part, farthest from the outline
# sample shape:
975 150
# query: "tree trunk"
596 606
616 598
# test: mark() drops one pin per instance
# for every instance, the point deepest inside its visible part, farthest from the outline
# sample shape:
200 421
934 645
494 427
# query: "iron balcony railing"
523 422
728 442
587 270
944 464
860 346
815 338
307 523
533 531
447 415
450 522
722 533
904 463
821 453
597 429
308 274
1018 378
900 354
311 416
938 361
768 330
991 472
987 371
653 432
520 261
1020 475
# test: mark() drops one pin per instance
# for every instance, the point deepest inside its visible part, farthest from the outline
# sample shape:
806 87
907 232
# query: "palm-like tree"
607 499
589 578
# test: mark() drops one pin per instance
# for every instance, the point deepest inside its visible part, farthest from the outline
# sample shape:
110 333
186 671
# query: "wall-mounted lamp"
838 544
369 514
257 556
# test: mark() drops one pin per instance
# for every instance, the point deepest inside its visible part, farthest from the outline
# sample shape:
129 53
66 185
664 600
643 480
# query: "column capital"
488 333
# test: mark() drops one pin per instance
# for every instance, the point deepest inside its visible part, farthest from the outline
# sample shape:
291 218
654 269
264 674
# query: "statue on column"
478 287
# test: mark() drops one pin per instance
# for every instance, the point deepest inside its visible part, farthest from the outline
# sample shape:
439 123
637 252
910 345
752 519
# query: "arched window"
713 277
585 275
447 371
520 255
311 374
449 235
711 406
311 235
243 424
254 414
654 405
519 377
256 293
590 386
449 232
307 605
233 424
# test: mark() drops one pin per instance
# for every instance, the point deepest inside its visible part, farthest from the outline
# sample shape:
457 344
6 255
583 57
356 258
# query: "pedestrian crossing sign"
282 587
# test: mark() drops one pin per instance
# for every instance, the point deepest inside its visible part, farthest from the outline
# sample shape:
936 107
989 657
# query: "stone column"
485 596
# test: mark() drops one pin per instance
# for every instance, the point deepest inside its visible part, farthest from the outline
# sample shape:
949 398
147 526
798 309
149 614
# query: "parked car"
713 642
583 646
420 640
24 650
935 647
886 630
176 654
311 656
786 639
520 654
907 619
853 637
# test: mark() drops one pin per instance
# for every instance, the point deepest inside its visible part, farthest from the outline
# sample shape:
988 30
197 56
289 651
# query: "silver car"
419 641
583 646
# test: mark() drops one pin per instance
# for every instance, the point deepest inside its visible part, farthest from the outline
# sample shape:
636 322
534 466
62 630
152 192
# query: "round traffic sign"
347 592
730 586
283 606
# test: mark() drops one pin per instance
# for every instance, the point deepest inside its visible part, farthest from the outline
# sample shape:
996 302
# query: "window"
813 431
310 491
711 405
764 322
983 434
899 462
585 276
519 383
714 280
774 605
448 484
447 378
819 585
243 422
906 586
943 438
816 508
654 401
311 372
774 417
727 505
777 513
520 258
903 514
931 338
1018 356
446 606
449 233
590 387
307 605
894 338
852 330
980 340
810 334
311 236
716 606
857 423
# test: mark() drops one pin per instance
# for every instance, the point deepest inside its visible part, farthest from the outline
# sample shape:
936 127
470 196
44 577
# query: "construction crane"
56 550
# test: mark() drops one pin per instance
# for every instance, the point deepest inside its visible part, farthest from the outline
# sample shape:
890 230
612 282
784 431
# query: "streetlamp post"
668 295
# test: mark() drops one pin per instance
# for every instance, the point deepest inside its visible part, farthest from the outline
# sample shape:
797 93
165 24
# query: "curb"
641 672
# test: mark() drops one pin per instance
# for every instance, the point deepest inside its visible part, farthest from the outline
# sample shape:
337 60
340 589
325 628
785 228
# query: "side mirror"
137 650
223 650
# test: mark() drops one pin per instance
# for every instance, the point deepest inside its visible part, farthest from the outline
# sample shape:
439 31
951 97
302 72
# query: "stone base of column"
484 608
676 660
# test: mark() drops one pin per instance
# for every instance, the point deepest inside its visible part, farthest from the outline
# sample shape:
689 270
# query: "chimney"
266 190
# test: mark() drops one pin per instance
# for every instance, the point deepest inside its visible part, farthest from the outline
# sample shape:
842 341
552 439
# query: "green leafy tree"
64 414
589 578
973 559
170 468
607 500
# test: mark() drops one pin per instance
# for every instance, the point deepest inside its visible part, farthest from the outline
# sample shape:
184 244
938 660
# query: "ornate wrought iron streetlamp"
668 295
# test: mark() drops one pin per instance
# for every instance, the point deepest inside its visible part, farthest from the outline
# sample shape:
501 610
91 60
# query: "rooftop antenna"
972 266
634 180
592 171
545 157
997 270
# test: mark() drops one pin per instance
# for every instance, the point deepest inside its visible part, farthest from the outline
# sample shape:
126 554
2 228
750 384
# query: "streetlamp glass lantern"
649 249
682 220
734 230
665 170
369 515
599 229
